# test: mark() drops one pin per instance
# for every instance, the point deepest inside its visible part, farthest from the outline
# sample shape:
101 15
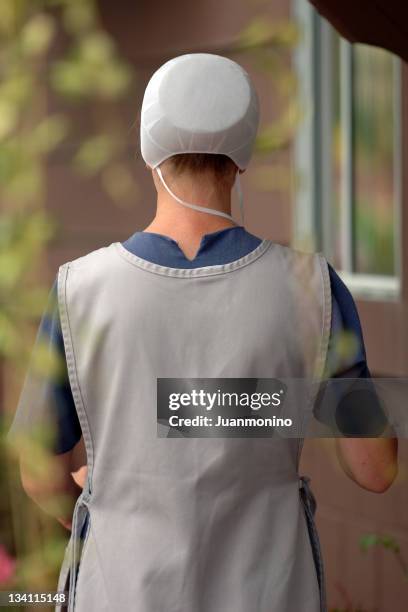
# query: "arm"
50 484
370 462
50 465
54 482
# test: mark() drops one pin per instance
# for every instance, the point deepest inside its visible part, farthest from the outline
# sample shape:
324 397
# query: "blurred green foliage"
55 58
375 237
388 543
375 122
268 44
375 158
374 104
85 70
21 239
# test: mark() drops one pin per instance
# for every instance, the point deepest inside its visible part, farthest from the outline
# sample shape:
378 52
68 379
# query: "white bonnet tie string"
205 209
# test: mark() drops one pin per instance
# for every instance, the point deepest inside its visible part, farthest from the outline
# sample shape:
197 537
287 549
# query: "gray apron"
184 524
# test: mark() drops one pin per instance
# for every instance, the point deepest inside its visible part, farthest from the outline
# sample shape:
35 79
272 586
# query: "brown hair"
220 165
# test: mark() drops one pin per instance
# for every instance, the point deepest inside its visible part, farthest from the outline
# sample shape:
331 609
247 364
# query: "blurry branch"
268 43
274 35
279 134
91 69
21 299
389 543
51 49
348 605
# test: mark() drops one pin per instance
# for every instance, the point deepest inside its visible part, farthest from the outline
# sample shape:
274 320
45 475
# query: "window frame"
313 211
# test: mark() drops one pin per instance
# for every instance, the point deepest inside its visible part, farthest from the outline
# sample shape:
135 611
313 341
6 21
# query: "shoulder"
302 269
304 277
89 273
100 255
347 331
344 302
295 257
100 264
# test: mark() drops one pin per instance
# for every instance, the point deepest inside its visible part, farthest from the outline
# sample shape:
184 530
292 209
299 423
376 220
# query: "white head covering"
199 103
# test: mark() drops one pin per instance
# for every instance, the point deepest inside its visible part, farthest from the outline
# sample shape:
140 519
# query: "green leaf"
368 541
96 48
372 539
8 117
95 153
113 81
390 543
79 15
16 87
69 78
48 134
262 31
37 34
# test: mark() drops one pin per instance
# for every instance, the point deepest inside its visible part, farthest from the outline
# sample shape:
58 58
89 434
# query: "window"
348 156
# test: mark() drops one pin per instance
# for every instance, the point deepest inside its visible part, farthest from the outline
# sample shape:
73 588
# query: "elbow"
371 463
35 485
378 487
386 483
30 486
379 483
